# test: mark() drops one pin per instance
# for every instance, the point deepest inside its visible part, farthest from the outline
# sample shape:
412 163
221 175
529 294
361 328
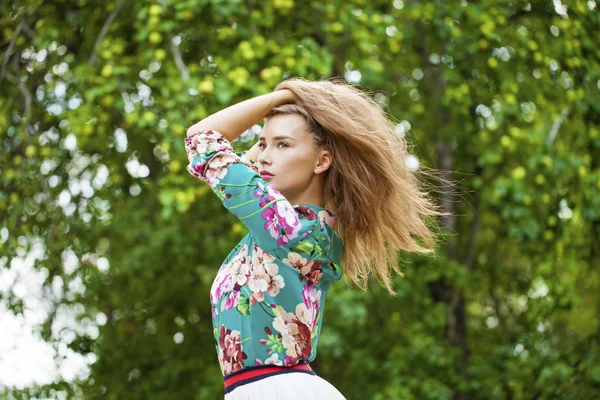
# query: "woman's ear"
324 162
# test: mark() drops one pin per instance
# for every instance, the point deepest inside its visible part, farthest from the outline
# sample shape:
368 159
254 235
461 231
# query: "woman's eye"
262 146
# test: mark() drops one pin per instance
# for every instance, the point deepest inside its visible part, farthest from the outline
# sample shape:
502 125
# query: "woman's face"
288 158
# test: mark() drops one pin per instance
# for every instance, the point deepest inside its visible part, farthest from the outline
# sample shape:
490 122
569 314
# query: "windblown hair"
380 203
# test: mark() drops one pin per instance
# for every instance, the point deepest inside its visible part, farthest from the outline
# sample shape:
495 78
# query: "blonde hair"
381 204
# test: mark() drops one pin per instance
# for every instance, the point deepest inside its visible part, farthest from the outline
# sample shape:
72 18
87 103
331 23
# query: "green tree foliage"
504 97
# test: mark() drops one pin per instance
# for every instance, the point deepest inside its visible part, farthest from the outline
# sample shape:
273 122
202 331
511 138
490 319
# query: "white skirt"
289 386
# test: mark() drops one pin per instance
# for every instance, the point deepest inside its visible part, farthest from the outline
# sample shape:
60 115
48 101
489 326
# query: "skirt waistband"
254 374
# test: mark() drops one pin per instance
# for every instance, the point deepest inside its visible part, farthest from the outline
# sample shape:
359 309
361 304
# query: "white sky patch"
25 359
353 76
560 8
483 110
70 142
74 103
538 288
41 56
412 162
417 74
120 140
178 338
137 169
518 349
403 127
70 261
491 322
391 30
565 212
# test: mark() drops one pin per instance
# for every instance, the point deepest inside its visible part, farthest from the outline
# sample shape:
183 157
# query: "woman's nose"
264 158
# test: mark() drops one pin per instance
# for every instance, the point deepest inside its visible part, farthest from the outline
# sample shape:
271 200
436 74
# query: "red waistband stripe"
253 374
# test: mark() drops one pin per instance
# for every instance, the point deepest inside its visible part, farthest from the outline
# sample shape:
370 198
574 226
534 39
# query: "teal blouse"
268 296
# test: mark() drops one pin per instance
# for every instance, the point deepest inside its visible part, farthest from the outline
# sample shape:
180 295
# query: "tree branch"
104 30
554 130
11 45
475 223
185 74
26 93
9 51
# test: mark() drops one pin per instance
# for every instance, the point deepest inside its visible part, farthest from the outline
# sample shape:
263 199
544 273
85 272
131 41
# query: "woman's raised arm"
237 118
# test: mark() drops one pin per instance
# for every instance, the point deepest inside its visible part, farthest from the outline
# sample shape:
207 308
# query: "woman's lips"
266 175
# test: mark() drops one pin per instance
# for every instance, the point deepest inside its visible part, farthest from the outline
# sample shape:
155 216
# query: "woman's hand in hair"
303 89
288 97
291 85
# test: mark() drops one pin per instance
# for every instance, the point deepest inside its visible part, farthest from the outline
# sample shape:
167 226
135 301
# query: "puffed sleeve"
270 218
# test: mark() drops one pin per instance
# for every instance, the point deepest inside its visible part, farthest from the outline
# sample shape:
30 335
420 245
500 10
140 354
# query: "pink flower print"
306 213
296 335
258 283
217 167
273 193
284 323
214 313
282 225
267 194
259 256
231 301
274 282
240 271
221 284
211 141
289 222
201 146
262 202
198 168
261 187
299 262
309 270
315 274
272 224
229 275
240 259
327 217
257 297
311 297
307 312
231 355
281 219
273 360
289 361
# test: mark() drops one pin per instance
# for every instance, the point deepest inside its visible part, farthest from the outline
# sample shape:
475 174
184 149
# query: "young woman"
324 191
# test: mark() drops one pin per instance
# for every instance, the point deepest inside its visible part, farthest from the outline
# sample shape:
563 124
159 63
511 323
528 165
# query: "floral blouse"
268 297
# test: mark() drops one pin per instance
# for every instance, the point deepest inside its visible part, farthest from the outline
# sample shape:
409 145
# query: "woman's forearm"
251 156
237 118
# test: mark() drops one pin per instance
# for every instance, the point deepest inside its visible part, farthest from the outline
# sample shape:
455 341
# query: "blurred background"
108 247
